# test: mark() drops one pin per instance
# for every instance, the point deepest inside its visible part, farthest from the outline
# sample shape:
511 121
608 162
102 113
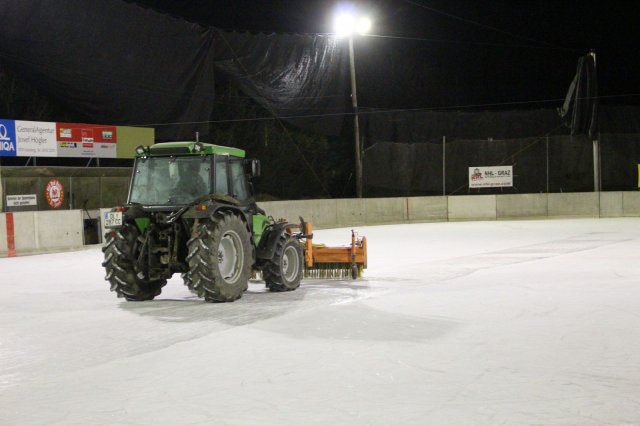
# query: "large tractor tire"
121 250
284 271
220 258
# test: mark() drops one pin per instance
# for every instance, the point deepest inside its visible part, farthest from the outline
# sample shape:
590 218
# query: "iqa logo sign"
7 138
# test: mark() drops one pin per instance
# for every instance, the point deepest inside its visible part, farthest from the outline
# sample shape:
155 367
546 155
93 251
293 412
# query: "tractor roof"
189 148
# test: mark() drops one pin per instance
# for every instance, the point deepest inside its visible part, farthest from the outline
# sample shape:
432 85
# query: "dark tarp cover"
580 109
619 119
291 75
423 126
119 63
113 62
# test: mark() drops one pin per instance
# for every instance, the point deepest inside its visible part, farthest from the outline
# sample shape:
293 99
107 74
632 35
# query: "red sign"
85 133
54 192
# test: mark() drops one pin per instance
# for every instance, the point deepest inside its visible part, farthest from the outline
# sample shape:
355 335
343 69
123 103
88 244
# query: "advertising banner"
85 140
490 177
35 139
7 138
44 139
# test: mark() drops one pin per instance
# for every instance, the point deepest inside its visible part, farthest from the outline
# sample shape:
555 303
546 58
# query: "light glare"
364 25
344 24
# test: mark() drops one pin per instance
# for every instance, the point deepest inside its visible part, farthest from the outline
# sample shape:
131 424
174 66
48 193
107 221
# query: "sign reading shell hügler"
490 177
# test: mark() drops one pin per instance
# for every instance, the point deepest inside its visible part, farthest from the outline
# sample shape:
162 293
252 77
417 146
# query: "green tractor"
191 210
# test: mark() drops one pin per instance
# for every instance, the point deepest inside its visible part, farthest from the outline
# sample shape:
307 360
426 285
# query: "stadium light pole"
346 24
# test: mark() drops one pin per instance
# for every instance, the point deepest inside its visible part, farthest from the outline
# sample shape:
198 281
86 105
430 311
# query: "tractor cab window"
222 183
239 180
169 180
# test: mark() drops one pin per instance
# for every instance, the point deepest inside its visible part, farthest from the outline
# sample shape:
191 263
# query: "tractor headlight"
198 147
140 150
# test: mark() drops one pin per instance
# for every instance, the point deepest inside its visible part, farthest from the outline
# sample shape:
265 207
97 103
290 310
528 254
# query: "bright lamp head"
346 23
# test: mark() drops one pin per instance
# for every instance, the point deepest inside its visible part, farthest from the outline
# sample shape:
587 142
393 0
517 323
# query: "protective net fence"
544 164
404 156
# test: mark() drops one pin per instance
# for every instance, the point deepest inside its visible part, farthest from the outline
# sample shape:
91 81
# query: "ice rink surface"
517 323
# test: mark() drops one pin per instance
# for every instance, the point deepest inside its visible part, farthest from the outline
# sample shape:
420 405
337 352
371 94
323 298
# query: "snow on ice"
514 322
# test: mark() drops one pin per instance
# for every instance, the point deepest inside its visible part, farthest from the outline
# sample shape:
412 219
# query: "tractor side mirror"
253 167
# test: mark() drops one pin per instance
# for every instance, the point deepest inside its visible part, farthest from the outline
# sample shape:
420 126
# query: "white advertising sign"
490 177
36 139
22 200
86 140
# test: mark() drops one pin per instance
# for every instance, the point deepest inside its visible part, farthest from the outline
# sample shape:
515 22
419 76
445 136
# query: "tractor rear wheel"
121 250
284 271
220 258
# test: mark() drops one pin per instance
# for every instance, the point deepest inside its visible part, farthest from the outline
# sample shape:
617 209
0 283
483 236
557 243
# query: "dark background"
458 56
491 40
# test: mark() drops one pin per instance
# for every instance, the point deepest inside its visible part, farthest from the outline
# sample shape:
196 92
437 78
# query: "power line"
479 24
373 111
472 43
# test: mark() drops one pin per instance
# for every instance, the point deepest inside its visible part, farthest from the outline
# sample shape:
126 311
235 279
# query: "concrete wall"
521 206
630 203
353 212
42 232
611 204
579 204
477 207
60 230
427 209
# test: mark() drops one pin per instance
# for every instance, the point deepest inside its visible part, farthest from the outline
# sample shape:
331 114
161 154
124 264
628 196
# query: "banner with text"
43 139
490 177
35 139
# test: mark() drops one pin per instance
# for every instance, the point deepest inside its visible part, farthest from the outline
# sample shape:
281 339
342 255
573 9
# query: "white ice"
518 322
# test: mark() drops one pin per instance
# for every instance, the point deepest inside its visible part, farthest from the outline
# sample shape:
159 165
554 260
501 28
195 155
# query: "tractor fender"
212 208
267 247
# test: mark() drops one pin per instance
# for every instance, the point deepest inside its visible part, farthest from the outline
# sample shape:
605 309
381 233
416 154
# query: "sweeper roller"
321 261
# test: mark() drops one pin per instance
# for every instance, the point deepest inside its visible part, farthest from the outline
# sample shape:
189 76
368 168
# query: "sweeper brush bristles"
324 271
328 271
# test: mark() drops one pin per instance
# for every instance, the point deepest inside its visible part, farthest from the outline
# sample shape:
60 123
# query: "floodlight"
344 24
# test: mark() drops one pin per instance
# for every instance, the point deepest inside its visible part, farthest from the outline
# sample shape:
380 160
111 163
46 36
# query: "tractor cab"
179 173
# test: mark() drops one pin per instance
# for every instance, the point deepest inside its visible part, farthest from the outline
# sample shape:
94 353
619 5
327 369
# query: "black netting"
404 155
113 62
